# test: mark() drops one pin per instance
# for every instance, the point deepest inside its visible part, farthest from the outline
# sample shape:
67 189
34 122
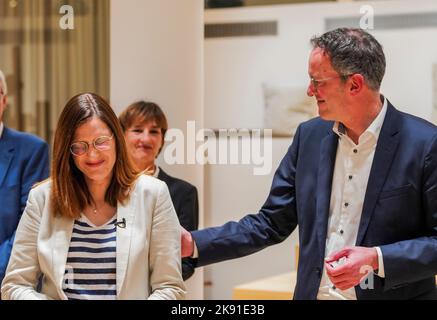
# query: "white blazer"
148 248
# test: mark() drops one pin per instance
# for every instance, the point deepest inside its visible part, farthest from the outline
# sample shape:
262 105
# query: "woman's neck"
99 211
98 190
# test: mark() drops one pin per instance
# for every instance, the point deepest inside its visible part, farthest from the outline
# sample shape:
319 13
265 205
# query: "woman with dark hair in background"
144 125
97 229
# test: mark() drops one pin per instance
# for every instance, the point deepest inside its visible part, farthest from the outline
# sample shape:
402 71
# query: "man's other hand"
348 267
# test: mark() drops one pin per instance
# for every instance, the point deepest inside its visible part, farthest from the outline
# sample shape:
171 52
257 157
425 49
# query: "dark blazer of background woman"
185 202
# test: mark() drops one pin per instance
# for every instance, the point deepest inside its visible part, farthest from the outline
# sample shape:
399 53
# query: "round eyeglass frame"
87 145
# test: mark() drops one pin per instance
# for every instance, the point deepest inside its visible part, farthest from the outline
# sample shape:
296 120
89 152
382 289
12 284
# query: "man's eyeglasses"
102 143
317 82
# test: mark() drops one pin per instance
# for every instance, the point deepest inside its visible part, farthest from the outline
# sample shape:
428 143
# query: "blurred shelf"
280 287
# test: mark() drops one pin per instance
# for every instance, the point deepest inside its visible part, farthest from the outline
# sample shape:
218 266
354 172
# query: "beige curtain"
46 65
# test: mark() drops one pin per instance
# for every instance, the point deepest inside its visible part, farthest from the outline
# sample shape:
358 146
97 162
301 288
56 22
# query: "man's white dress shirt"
351 174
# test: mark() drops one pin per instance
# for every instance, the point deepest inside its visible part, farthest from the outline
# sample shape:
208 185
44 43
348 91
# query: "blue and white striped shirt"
90 272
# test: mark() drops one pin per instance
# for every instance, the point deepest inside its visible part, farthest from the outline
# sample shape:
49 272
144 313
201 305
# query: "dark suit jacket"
399 212
185 202
24 160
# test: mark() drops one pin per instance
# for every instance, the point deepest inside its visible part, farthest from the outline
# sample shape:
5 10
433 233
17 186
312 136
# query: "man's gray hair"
3 84
353 50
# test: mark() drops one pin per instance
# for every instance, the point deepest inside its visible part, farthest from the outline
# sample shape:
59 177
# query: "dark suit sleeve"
188 214
188 267
271 225
36 170
416 259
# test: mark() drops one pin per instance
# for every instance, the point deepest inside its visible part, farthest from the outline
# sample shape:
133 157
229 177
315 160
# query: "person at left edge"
97 229
24 161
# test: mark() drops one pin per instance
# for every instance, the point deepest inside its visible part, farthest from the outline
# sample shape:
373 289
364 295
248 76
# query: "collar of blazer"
62 237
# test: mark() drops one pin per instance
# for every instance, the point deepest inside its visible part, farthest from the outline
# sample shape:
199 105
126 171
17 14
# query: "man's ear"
4 101
3 107
357 83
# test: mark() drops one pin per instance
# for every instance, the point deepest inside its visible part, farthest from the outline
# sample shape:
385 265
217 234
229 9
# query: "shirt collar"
1 129
156 173
374 128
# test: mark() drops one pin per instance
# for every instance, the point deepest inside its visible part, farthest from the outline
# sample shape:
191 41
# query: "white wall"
232 191
157 54
235 69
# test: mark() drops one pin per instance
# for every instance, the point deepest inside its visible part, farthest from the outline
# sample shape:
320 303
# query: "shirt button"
346 204
341 231
355 151
350 177
333 288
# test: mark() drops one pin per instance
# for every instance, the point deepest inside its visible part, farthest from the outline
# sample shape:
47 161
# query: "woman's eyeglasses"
102 143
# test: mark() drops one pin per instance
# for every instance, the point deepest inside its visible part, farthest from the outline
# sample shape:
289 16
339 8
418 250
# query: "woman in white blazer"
97 229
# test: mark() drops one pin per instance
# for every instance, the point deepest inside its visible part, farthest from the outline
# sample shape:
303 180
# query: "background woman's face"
96 165
144 142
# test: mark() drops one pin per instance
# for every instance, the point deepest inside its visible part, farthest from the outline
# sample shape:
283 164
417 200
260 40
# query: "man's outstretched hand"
187 243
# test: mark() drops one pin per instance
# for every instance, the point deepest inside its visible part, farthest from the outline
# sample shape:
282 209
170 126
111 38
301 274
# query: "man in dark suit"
23 162
360 181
